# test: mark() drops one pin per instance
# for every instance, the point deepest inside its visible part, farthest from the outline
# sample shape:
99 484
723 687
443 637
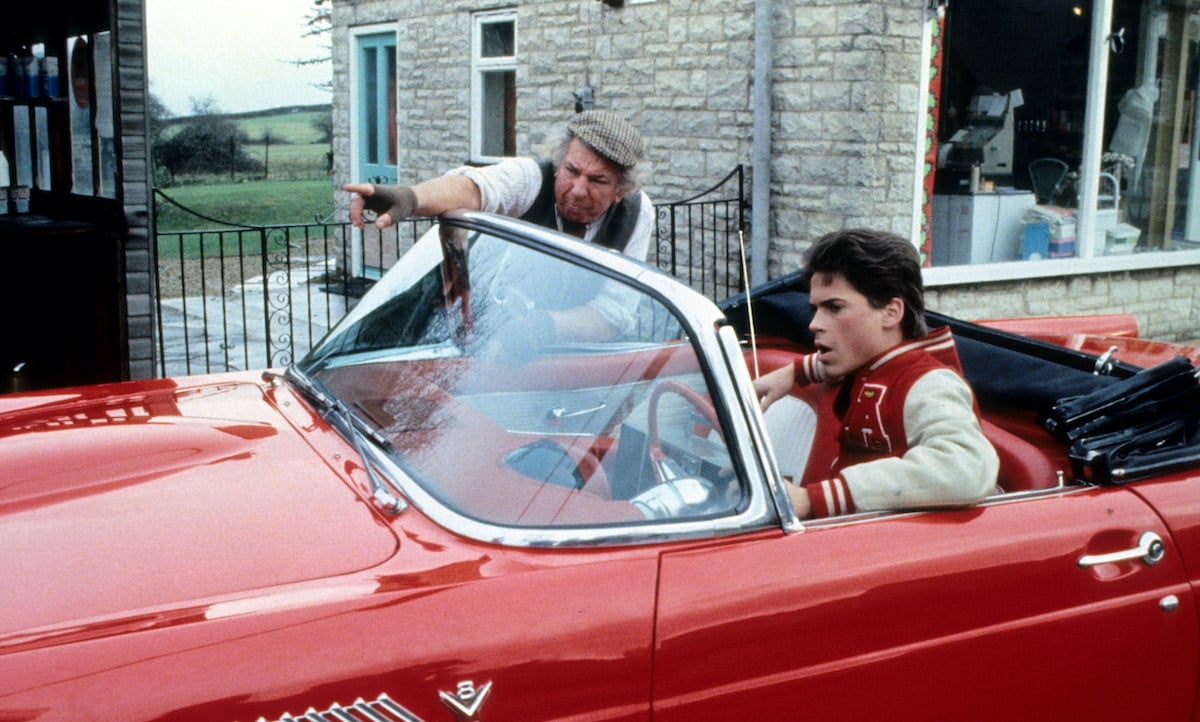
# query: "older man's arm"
395 203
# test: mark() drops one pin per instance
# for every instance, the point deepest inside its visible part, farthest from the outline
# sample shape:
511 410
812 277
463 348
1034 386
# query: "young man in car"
909 435
589 188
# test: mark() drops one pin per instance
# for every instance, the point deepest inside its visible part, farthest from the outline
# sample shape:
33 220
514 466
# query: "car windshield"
515 386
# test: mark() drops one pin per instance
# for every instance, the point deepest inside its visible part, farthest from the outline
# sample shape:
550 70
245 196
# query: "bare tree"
319 23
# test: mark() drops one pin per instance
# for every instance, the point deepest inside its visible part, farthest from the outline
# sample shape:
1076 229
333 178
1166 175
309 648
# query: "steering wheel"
513 299
518 328
664 467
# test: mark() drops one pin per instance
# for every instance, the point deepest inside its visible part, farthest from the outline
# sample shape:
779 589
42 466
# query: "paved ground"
300 314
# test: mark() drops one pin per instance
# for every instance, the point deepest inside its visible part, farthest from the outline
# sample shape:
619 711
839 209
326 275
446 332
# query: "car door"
1003 612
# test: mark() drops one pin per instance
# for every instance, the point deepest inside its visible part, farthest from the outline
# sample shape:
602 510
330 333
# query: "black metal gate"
700 239
239 297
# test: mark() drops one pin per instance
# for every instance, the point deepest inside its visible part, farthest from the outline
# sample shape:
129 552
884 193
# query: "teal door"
377 107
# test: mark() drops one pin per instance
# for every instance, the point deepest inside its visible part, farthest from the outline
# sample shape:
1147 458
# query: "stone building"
923 117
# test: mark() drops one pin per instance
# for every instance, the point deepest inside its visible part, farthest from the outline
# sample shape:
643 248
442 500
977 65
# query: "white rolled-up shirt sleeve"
508 188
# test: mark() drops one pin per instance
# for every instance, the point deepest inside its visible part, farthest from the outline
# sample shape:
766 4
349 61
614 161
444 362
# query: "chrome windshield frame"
702 321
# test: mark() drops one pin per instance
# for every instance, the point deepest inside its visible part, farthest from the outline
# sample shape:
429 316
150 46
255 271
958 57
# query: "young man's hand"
773 386
800 501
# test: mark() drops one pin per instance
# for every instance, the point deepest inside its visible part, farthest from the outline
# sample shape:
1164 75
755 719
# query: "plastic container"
50 84
30 77
1035 240
1048 232
1121 239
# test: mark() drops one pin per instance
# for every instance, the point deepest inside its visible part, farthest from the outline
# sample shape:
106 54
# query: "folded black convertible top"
1003 368
1125 425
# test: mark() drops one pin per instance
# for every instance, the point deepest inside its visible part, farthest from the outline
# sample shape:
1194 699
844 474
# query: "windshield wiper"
335 411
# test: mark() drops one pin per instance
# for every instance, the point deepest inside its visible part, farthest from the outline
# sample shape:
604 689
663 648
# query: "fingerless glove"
399 202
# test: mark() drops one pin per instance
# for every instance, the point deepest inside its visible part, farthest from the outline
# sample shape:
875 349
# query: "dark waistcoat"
617 225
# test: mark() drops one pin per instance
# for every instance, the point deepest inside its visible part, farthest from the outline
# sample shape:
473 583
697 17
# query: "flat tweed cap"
609 135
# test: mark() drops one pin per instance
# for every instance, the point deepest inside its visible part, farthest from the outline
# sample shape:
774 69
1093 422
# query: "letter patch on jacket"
865 423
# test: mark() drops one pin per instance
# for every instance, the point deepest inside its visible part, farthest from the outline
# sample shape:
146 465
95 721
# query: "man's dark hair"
879 265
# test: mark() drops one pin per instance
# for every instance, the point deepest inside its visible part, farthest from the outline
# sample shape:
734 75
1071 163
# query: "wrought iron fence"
712 225
237 297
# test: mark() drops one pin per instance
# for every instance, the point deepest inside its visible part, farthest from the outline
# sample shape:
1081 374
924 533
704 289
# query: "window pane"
42 127
105 128
23 170
80 106
498 110
498 39
370 105
390 59
1151 152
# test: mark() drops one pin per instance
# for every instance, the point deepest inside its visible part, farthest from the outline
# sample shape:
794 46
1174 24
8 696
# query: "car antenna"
749 305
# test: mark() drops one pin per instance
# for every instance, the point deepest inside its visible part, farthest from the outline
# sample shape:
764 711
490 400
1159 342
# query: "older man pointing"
590 187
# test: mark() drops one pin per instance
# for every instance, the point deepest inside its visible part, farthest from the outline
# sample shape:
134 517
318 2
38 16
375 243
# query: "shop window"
1025 171
57 128
494 86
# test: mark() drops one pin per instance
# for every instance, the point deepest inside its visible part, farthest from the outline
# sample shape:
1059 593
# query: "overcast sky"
237 52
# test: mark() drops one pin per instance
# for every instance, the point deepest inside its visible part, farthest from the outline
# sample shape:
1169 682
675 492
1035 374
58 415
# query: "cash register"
974 219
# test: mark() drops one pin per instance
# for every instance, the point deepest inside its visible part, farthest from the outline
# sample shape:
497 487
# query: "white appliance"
979 228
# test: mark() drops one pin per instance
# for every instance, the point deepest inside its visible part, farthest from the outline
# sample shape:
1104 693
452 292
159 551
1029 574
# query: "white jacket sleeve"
949 461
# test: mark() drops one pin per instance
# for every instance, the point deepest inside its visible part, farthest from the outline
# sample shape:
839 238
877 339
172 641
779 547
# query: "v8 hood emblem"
467 700
464 703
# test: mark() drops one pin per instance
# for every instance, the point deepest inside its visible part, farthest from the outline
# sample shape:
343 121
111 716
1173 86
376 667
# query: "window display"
59 134
1026 165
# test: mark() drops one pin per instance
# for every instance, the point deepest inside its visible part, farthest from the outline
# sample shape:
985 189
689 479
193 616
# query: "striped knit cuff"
808 370
830 497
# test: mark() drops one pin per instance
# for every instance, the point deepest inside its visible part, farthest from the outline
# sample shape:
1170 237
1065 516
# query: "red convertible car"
445 513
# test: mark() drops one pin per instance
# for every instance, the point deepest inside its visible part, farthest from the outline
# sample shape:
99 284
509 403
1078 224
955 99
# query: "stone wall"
846 97
845 92
133 122
1165 301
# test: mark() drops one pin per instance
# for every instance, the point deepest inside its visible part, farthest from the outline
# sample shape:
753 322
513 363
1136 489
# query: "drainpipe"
760 195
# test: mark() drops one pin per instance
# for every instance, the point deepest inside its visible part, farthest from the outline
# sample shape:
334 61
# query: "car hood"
129 500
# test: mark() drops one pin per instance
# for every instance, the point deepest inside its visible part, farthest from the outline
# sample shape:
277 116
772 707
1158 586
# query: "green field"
296 189
294 126
253 203
295 150
257 203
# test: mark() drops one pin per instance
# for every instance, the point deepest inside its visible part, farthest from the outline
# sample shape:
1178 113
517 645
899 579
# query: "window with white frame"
1065 132
494 85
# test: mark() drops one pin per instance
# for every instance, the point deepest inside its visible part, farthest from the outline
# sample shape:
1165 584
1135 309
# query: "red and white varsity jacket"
910 435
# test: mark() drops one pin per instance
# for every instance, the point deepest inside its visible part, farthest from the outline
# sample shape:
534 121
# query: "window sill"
1054 268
